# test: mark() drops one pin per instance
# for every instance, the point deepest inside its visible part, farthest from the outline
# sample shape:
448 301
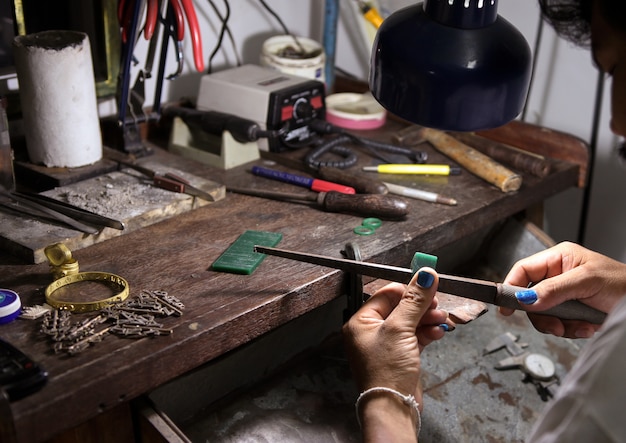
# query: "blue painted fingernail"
425 279
527 297
444 326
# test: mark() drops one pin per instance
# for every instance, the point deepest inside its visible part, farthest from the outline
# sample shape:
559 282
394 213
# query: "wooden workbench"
224 311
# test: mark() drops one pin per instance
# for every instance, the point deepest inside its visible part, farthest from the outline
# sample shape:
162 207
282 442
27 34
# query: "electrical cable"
282 25
220 39
538 39
593 145
334 145
312 159
230 34
244 130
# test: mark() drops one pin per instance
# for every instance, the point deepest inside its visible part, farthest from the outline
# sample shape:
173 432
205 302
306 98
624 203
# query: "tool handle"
474 161
168 183
519 159
569 310
369 205
547 142
362 185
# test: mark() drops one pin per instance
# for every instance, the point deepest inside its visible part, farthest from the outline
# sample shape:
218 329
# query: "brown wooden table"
224 311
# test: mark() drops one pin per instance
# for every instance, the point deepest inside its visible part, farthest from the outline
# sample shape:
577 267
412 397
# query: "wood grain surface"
126 196
224 311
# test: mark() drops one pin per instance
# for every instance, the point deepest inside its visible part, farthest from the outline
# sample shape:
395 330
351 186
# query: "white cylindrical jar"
284 54
58 97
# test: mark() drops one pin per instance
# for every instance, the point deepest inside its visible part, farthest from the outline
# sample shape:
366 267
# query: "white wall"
562 96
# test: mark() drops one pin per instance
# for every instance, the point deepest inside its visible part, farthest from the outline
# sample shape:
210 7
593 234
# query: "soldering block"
240 257
421 260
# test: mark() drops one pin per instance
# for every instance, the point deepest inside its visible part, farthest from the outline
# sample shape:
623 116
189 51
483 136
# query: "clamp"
355 282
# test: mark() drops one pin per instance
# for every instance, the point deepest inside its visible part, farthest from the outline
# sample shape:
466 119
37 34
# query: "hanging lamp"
451 65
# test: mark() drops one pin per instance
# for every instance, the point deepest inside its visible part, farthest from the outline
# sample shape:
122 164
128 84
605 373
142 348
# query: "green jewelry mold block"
421 259
240 257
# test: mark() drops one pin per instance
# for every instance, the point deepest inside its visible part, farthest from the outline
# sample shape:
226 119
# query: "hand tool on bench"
169 181
33 209
362 184
498 294
471 159
544 141
517 158
76 213
368 205
474 161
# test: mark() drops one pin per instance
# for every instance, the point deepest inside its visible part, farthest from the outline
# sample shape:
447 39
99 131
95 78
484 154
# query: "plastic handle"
363 185
569 310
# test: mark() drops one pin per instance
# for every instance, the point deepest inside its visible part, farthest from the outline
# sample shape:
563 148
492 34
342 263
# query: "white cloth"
590 404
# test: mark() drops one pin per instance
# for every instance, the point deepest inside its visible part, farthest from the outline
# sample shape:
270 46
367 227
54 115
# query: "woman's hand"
383 341
567 271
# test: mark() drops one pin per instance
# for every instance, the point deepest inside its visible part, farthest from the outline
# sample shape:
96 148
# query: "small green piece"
421 259
364 230
372 222
240 257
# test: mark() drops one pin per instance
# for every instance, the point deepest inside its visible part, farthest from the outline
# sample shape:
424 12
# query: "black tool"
75 212
38 210
19 375
497 294
343 137
214 122
368 205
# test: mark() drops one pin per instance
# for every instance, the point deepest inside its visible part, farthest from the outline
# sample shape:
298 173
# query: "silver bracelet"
408 400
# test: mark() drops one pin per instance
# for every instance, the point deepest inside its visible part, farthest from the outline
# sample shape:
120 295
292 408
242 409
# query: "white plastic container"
311 65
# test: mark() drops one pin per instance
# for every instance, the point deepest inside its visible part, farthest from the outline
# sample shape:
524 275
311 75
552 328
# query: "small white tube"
58 96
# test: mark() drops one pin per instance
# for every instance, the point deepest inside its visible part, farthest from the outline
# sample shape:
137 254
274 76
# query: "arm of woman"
383 341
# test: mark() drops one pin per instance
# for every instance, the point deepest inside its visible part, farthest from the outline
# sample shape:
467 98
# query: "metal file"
498 294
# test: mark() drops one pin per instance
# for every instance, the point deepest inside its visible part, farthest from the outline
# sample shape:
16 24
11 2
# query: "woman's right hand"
568 271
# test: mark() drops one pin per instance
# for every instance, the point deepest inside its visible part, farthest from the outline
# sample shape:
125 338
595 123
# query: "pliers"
181 9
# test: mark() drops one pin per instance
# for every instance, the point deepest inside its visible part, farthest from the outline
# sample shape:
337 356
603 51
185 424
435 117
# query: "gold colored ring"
58 254
77 306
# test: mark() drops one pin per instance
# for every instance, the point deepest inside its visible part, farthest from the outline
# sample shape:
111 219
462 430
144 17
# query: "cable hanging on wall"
223 30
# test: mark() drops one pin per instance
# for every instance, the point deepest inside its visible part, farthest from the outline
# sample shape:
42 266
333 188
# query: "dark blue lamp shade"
451 65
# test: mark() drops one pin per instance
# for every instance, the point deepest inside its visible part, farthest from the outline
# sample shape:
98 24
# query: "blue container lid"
10 305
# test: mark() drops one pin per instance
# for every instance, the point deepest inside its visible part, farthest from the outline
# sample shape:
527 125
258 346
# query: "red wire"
126 21
194 29
152 14
180 19
120 11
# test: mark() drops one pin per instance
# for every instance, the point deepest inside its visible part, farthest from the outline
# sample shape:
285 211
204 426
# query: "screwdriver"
369 205
361 184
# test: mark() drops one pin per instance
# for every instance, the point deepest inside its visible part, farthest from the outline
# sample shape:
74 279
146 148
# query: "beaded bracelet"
408 400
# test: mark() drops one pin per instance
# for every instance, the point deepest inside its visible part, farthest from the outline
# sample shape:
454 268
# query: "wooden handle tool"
474 161
547 142
385 206
517 158
363 185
